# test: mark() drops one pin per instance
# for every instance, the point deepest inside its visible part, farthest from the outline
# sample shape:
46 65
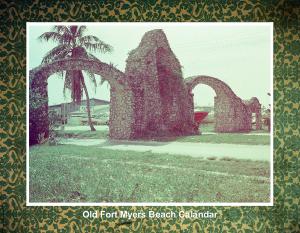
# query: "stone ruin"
232 114
253 106
150 99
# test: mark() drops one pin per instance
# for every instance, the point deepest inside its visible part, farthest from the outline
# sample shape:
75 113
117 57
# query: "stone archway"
231 113
121 112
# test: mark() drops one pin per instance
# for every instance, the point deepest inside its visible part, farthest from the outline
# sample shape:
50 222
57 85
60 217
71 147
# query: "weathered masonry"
149 99
232 114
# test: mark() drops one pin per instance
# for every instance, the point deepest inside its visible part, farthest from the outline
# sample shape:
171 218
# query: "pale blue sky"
238 54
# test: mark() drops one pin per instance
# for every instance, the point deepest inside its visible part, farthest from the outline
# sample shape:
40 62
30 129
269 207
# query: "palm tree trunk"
87 105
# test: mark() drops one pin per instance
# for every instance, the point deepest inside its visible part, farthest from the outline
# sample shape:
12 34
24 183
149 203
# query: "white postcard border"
175 24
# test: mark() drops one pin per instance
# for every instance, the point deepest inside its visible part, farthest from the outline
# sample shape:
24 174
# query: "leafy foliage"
54 122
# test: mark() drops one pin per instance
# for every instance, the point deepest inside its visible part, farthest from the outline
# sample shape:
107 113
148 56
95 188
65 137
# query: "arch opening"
73 116
204 97
120 112
230 113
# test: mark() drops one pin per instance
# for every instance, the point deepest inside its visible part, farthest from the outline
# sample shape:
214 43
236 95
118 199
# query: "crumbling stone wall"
38 108
121 113
231 114
254 106
160 96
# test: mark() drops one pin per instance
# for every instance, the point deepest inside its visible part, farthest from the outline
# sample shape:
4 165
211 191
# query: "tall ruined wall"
38 108
160 96
120 117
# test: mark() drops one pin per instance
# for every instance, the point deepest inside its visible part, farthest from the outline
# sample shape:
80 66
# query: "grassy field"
100 134
233 138
67 173
210 127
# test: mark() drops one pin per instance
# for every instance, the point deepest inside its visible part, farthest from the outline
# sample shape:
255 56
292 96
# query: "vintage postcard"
149 114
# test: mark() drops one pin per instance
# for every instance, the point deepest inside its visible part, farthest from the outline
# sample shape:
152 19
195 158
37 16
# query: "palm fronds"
55 36
80 31
92 78
61 29
94 44
92 57
58 52
72 43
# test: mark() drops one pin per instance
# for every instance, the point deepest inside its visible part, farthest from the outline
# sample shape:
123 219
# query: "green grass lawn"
100 134
68 173
210 127
232 138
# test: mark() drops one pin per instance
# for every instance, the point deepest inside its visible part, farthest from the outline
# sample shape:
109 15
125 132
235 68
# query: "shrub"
54 122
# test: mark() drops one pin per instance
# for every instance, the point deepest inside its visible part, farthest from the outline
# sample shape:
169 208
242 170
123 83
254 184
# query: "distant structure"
254 107
149 99
65 108
68 112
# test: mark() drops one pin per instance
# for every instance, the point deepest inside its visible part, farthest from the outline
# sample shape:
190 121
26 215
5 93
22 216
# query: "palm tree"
73 44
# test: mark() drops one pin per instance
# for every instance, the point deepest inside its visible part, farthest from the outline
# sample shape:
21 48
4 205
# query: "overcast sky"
238 54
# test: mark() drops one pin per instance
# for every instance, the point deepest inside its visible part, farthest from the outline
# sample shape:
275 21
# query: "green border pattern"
283 217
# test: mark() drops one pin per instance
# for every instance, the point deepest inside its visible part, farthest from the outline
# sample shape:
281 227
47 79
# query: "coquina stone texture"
160 95
150 99
232 114
254 106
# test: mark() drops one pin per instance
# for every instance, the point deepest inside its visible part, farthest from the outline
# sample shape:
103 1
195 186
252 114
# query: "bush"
54 122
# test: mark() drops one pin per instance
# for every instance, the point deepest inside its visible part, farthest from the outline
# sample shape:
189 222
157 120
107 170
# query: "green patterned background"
283 217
